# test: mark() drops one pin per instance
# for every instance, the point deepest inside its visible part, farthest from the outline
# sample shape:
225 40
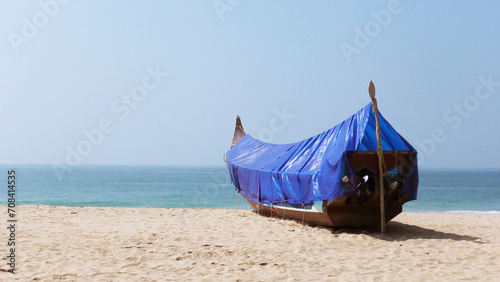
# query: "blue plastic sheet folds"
311 170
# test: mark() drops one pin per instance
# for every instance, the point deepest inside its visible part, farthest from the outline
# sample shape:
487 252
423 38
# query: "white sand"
131 244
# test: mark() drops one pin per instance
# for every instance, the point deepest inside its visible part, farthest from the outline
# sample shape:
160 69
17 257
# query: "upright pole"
380 154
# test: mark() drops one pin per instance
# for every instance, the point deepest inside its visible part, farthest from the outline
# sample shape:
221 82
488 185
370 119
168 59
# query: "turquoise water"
470 191
457 191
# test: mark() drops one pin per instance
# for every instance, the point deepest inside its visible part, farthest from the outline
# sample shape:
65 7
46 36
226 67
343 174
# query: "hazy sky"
160 82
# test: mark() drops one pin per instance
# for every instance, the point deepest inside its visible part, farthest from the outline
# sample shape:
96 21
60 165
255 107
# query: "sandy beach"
131 244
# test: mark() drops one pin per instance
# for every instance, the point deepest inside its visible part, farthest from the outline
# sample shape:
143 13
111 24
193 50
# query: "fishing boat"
358 173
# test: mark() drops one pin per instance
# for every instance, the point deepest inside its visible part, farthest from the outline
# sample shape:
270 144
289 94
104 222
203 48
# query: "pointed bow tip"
238 121
239 132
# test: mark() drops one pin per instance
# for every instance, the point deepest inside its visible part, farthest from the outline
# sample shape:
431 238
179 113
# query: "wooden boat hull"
342 212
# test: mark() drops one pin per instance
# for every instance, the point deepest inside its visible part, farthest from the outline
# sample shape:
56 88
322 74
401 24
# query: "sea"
440 190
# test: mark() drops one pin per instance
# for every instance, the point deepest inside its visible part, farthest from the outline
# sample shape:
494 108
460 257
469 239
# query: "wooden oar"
371 91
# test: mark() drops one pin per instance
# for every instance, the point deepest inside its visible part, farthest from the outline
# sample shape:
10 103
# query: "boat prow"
239 132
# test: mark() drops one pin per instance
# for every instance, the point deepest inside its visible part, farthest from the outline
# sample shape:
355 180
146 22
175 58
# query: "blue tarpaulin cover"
312 169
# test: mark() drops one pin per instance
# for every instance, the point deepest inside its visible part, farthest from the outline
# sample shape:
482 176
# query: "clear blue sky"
162 81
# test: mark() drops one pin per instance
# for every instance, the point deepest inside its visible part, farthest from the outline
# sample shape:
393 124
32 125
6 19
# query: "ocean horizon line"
441 191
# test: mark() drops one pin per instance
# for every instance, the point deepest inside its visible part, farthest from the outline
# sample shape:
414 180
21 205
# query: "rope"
284 210
239 196
304 214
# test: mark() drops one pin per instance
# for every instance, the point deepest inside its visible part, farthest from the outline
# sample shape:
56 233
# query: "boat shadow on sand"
397 231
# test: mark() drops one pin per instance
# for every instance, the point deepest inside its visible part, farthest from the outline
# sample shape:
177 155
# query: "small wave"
473 212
